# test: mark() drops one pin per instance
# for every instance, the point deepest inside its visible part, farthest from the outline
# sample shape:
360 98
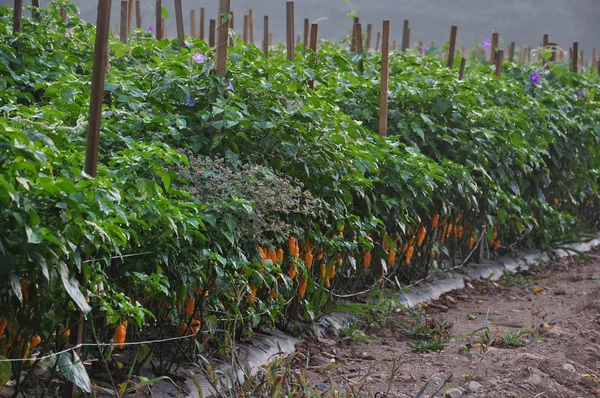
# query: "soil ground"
554 352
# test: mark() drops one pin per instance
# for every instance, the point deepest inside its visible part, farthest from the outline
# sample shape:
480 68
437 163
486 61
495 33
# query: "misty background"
522 21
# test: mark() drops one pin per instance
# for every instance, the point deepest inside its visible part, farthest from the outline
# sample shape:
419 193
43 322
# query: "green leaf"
4 372
164 12
71 285
33 237
72 369
15 283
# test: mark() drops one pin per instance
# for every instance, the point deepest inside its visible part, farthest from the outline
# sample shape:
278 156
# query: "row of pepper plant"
225 204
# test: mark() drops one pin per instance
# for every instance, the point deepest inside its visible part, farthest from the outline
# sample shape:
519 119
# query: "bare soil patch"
508 339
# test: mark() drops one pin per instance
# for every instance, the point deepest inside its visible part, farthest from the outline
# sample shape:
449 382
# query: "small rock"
556 331
535 379
473 386
454 393
569 367
319 360
365 355
327 342
451 299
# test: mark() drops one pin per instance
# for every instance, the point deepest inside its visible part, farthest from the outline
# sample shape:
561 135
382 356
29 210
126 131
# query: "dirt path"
538 344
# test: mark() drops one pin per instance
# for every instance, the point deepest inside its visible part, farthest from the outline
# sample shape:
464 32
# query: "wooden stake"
35 4
495 39
298 40
528 54
17 16
232 39
180 23
246 30
138 14
63 15
378 40
306 33
222 38
359 45
511 52
499 60
461 72
314 35
212 26
130 5
165 28
581 59
553 56
405 38
201 27
124 10
420 44
289 21
452 49
385 66
593 57
158 21
92 145
193 23
353 36
251 25
270 39
394 45
266 36
369 35
574 54
545 40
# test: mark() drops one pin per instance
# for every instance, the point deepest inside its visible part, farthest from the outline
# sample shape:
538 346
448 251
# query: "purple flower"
189 101
199 58
534 77
425 49
230 86
581 94
150 30
486 43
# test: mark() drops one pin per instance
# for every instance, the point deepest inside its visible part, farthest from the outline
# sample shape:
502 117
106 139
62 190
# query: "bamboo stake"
158 16
574 53
452 49
246 30
193 23
92 147
314 35
495 40
212 26
385 65
180 23
359 45
290 30
461 72
306 33
405 34
266 36
499 60
222 38
202 18
232 39
511 52
124 10
251 25
138 14
17 16
130 5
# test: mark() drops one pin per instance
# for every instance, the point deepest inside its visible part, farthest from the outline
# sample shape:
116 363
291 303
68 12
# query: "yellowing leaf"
537 290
